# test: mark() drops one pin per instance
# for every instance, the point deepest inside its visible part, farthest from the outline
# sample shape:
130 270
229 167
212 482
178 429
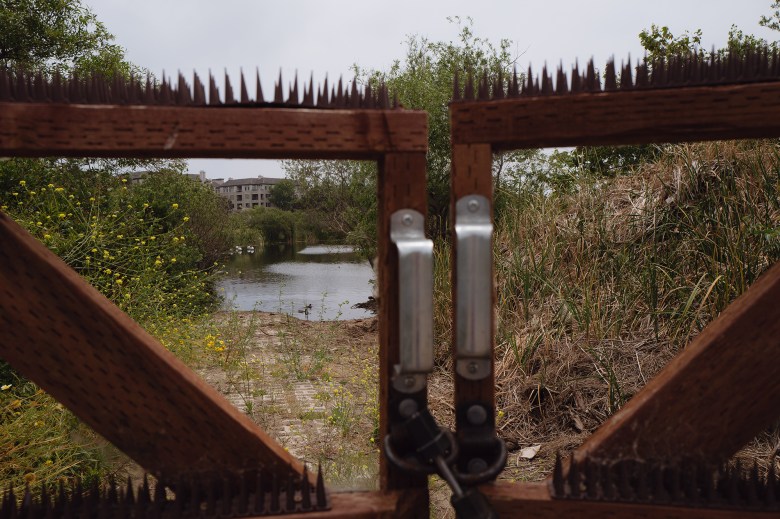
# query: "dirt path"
310 384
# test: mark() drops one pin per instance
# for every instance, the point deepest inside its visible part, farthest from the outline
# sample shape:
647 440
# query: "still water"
288 278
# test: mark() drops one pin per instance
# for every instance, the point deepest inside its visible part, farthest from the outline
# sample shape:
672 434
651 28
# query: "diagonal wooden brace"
64 335
711 399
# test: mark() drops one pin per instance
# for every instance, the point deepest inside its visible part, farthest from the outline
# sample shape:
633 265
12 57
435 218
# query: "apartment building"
246 193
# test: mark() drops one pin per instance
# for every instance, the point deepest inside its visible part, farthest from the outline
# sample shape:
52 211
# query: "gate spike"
732 484
626 83
368 97
660 494
576 85
305 490
289 504
22 93
385 96
322 498
278 94
308 96
165 93
468 94
213 91
229 99
515 88
456 86
243 494
227 495
259 501
244 92
258 88
574 479
752 485
642 487
292 99
5 87
591 479
340 95
529 84
547 88
57 91
770 494
561 85
275 507
558 481
199 91
624 481
354 95
690 476
610 80
483 87
498 86
592 79
184 97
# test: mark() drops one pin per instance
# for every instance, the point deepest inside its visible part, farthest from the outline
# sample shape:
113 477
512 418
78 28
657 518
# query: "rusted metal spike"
211 497
642 486
229 99
27 509
396 103
561 84
244 91
278 94
159 493
558 480
258 505
368 97
732 494
673 477
591 479
574 479
340 95
608 483
514 89
354 95
690 478
624 481
5 87
226 497
194 488
455 86
292 98
660 494
771 490
626 82
385 98
289 504
21 93
164 96
576 80
610 79
258 87
594 82
275 507
199 91
183 92
308 97
498 86
57 89
528 87
752 485
642 75
468 93
484 93
39 89
243 494
213 91
144 493
129 497
305 490
322 498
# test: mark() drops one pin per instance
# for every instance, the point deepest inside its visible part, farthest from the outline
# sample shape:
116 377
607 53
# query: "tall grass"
599 287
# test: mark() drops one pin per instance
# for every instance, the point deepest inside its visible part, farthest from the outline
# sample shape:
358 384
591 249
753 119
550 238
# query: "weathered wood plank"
711 399
632 117
533 501
64 335
36 130
401 186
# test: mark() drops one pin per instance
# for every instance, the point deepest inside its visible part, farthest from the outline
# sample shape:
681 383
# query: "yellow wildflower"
22 183
175 206
5 387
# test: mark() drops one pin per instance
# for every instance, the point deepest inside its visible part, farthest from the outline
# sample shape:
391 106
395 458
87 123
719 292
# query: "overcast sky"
328 37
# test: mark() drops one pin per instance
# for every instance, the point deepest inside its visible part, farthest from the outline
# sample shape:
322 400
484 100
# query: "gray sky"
328 37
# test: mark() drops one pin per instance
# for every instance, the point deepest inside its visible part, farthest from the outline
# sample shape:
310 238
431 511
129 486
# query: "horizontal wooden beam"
371 505
711 399
614 118
39 130
65 336
533 501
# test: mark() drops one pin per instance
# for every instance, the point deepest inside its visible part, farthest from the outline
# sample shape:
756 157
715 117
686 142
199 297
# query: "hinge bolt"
407 219
473 206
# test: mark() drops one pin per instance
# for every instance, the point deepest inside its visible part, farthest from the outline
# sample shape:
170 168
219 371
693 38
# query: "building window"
254 197
238 197
254 205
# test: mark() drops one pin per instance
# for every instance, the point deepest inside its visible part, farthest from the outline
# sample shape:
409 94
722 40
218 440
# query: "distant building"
246 193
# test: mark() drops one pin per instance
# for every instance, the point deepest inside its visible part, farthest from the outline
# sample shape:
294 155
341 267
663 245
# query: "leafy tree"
276 225
283 195
659 42
62 35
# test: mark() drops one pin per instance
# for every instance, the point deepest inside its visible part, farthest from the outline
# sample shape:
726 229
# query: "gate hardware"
473 232
435 451
415 301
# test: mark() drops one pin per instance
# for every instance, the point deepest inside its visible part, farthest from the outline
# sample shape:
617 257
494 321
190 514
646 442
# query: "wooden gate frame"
723 388
115 376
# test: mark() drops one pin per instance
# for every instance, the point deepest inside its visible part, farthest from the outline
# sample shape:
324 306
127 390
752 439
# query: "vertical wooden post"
471 175
401 185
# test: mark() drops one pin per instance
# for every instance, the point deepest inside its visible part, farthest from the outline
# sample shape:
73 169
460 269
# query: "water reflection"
314 282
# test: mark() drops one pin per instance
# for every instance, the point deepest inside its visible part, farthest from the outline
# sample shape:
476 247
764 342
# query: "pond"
317 282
